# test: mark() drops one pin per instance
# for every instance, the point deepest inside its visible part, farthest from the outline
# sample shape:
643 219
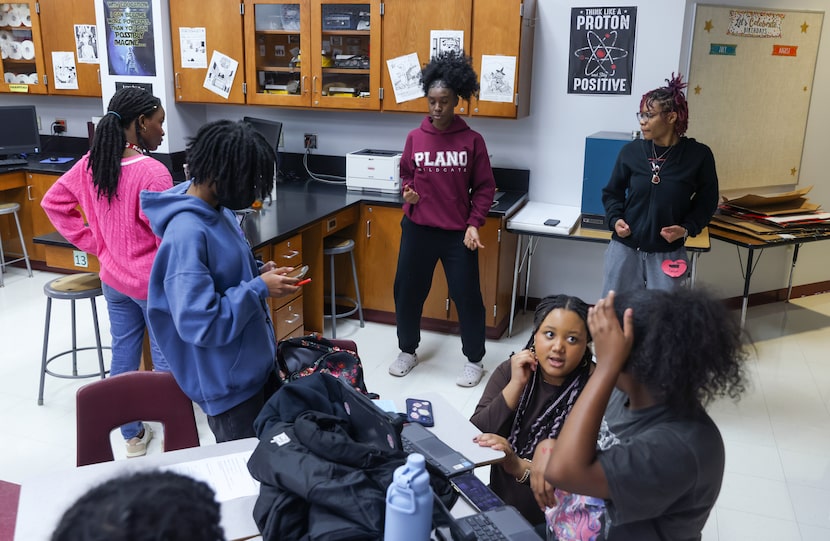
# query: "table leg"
530 249
792 271
693 272
747 280
516 268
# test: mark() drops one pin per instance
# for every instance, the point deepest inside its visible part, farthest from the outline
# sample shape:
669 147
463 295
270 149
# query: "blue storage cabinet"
601 150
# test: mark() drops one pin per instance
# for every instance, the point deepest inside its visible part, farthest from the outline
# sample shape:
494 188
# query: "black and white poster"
602 50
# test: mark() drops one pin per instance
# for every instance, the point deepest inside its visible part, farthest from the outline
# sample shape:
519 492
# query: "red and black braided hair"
670 98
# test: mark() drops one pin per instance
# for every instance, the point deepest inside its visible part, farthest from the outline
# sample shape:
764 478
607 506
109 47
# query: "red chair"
9 498
109 403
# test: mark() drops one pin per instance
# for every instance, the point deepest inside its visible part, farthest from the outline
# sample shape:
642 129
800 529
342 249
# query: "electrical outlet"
59 126
310 141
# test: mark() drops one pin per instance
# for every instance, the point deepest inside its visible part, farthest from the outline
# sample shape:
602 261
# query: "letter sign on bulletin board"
750 83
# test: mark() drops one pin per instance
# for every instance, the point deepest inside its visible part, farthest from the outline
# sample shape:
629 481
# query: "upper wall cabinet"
69 32
497 34
22 53
320 53
407 26
199 29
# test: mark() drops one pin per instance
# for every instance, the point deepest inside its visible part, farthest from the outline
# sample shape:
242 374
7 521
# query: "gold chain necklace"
657 162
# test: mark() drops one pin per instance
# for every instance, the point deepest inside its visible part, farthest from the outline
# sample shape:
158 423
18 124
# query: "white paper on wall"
497 76
405 72
441 41
63 67
86 43
220 74
192 44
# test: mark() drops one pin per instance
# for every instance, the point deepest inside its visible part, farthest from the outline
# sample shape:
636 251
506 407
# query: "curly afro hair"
453 70
670 98
688 348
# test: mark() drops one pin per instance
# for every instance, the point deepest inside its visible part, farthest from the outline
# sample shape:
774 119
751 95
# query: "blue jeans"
128 319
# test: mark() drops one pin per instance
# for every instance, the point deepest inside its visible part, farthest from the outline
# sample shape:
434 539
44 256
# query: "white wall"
551 141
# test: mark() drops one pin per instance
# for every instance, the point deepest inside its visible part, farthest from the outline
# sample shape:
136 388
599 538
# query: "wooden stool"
333 246
72 287
12 208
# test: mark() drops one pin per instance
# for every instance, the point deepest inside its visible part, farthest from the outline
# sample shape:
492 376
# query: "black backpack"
304 355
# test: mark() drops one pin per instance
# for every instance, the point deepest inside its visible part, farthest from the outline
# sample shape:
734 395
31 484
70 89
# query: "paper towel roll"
9 77
15 52
13 18
27 20
21 78
3 18
4 50
27 49
32 79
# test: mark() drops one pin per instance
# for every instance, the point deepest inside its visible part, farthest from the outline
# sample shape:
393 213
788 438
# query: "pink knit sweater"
119 234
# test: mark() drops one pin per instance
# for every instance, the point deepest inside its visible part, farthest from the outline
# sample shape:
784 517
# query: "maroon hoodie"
451 172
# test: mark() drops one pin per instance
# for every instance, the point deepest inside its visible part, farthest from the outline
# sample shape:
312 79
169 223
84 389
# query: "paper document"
227 475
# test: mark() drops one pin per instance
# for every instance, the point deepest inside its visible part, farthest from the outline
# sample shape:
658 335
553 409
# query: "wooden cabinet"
36 186
286 312
221 23
22 52
495 28
380 235
58 20
313 53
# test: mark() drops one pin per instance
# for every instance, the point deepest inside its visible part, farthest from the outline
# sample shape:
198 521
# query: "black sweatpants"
421 249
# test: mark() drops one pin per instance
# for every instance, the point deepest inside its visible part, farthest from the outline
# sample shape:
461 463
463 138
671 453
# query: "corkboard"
750 82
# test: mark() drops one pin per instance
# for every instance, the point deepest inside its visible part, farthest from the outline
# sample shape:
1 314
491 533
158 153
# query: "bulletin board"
750 82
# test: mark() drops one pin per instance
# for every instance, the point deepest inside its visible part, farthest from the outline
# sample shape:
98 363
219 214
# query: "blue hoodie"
206 303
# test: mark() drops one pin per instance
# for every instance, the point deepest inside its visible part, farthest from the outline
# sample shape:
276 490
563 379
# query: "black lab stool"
72 288
333 246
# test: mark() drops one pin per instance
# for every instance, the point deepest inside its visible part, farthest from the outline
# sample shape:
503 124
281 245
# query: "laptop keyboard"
483 528
410 448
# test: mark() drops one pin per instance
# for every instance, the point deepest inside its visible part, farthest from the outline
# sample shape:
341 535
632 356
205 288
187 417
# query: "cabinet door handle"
29 193
294 318
368 229
314 85
99 75
303 87
178 84
291 255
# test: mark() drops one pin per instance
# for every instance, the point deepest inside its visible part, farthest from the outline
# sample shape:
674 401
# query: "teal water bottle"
409 502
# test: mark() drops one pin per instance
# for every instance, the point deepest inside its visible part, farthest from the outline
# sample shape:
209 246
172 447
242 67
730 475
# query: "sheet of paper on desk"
227 475
532 217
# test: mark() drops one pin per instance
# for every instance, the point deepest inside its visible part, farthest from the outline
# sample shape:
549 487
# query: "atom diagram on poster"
601 53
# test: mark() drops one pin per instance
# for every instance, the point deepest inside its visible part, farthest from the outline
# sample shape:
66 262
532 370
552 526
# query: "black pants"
238 422
421 249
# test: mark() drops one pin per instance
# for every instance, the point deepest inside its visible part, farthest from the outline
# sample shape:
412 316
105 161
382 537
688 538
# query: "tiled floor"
777 482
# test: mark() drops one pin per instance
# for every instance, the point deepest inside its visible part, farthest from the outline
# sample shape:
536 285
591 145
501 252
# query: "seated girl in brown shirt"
529 395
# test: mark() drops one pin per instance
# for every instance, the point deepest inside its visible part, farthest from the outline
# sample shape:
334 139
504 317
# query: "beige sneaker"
470 375
137 446
403 364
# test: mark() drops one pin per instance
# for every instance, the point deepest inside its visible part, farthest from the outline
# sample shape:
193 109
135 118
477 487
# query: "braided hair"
549 424
451 69
235 157
143 506
124 109
670 98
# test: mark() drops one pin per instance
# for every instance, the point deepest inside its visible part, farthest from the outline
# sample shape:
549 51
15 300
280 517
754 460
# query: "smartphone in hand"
298 272
419 411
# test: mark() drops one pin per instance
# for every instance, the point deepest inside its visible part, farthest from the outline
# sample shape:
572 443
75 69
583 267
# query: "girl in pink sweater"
105 184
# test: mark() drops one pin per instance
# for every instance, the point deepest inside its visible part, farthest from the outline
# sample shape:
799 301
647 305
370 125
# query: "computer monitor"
19 133
271 130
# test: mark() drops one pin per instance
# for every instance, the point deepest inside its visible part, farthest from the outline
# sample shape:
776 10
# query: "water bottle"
409 502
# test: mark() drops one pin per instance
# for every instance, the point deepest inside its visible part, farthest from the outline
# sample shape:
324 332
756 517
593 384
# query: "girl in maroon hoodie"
448 187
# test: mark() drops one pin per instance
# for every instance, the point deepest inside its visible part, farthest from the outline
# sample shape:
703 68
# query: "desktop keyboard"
13 161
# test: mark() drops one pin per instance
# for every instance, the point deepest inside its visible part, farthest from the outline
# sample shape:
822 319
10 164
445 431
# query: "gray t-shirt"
664 471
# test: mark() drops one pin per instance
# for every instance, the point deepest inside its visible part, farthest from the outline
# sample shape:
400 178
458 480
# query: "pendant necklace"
657 162
135 147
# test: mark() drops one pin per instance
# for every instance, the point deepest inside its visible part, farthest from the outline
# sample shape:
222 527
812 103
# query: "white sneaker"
138 446
470 375
403 364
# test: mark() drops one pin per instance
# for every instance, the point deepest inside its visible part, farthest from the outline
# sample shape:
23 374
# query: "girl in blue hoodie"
207 296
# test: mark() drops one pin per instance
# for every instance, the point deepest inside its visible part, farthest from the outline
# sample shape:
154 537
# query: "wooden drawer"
64 258
288 317
296 333
288 253
342 219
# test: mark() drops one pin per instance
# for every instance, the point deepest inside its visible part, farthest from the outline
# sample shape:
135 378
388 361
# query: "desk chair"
9 499
104 405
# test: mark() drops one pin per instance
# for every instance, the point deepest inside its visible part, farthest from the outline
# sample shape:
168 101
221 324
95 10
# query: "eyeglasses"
646 116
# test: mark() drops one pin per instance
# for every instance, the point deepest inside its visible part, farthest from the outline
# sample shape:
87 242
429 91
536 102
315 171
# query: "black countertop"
300 204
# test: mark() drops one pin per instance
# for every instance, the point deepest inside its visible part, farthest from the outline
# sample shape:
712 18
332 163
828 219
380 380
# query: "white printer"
376 170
